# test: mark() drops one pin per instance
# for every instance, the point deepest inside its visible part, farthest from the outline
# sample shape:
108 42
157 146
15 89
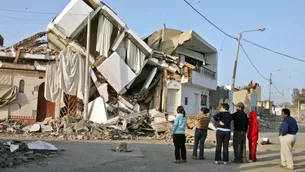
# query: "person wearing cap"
201 132
240 121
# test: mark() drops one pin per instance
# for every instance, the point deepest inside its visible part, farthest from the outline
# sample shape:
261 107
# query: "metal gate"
70 107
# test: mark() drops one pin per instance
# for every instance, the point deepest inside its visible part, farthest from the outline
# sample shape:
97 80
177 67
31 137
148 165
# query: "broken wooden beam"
189 65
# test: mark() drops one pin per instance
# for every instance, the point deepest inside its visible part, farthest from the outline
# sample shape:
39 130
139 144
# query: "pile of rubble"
135 126
14 153
267 122
151 125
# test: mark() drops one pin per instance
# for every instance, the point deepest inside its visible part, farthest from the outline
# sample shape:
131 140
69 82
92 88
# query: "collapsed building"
135 85
250 95
128 75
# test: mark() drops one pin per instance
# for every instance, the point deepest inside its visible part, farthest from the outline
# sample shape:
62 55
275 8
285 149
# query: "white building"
198 78
22 87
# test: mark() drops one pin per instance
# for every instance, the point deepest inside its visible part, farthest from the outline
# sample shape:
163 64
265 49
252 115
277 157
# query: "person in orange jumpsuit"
252 135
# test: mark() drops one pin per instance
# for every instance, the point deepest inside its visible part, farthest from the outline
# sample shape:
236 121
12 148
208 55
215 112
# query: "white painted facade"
26 101
192 98
194 89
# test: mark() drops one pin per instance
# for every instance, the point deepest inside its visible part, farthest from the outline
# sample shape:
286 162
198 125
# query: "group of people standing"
244 126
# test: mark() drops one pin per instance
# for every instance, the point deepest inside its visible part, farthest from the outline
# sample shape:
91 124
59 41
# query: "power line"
277 89
21 11
35 12
209 20
276 52
16 18
221 47
252 63
250 42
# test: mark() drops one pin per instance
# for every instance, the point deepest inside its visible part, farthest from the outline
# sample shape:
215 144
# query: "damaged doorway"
45 109
172 98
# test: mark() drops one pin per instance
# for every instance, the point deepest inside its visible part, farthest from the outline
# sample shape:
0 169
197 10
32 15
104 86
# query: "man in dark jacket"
288 130
240 120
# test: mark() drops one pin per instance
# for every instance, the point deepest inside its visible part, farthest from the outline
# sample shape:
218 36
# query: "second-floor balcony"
205 71
201 77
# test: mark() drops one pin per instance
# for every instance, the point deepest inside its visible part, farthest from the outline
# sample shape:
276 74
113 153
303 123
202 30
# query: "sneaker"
183 161
194 157
282 166
236 161
225 163
216 162
176 161
202 158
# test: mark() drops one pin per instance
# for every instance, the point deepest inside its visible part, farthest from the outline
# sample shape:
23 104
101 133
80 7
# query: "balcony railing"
206 71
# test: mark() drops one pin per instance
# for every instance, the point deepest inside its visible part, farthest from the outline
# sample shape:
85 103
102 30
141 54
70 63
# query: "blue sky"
282 20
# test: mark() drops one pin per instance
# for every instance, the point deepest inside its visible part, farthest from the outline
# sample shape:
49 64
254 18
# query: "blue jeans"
200 136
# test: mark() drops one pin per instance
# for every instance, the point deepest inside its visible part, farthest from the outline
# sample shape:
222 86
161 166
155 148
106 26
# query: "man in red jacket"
253 135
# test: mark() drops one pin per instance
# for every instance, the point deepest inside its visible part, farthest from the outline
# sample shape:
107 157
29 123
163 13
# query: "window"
185 101
21 86
203 101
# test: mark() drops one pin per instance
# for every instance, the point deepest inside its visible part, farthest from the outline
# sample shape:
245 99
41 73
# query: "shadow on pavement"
261 163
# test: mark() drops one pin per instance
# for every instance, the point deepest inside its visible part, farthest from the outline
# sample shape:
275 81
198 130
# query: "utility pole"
283 100
270 83
235 64
86 92
298 110
234 70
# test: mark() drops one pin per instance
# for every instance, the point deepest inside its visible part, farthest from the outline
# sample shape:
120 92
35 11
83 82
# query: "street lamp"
236 60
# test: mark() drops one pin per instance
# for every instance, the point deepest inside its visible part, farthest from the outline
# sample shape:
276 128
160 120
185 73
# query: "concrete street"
150 157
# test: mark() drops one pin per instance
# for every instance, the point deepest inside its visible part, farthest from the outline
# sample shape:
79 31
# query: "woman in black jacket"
223 133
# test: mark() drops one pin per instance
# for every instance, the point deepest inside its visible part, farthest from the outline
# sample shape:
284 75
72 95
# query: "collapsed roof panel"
116 72
69 20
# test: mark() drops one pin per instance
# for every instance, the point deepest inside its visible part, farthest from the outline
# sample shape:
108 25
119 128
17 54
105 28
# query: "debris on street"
76 128
267 122
15 153
265 141
122 148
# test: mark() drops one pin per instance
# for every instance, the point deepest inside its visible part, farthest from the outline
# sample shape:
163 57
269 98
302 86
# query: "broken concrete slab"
123 75
46 128
97 111
40 145
103 91
126 103
162 126
15 153
149 78
35 128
